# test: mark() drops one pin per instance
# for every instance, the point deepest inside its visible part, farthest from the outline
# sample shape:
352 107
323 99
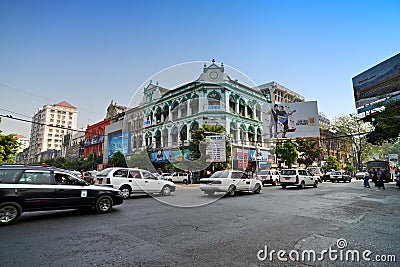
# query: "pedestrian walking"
397 177
375 176
366 180
381 184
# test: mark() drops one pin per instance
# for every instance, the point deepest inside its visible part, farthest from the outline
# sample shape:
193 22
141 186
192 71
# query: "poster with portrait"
291 120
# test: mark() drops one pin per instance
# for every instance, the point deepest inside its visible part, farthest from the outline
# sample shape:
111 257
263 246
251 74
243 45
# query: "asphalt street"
189 229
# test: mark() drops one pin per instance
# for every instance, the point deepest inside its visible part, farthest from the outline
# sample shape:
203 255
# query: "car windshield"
337 173
263 172
288 172
220 174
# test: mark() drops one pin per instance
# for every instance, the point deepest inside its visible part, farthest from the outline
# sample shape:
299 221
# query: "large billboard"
382 79
291 120
115 143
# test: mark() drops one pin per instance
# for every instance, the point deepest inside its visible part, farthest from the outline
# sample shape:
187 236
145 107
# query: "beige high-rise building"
49 126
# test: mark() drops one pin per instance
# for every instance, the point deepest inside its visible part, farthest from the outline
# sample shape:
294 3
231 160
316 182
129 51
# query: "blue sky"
90 52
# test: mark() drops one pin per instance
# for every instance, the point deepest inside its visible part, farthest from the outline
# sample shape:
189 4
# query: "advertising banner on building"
382 79
115 143
291 120
216 148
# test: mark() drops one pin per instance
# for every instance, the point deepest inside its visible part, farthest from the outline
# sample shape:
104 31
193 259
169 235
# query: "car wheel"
257 189
209 193
231 191
9 213
283 186
126 191
166 190
315 184
104 204
301 186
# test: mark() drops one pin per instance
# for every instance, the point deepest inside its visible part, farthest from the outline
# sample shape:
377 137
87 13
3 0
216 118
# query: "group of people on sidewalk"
378 177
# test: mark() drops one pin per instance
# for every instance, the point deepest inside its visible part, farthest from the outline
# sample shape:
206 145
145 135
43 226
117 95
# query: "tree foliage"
309 151
287 151
117 160
8 147
386 125
332 163
140 160
353 130
89 163
198 144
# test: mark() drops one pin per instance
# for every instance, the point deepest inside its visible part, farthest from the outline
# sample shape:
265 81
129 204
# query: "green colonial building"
169 116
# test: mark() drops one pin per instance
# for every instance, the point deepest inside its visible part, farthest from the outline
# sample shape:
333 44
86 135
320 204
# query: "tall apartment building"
277 93
48 128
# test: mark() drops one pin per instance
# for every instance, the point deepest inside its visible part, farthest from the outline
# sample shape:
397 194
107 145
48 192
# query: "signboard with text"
216 148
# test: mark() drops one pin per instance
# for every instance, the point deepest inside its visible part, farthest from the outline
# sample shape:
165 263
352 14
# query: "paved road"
169 231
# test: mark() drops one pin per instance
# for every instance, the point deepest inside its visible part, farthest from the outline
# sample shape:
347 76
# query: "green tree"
353 130
287 151
386 125
332 163
8 148
308 150
198 145
117 160
140 160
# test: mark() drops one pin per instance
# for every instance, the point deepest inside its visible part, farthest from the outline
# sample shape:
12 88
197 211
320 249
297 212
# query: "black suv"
32 188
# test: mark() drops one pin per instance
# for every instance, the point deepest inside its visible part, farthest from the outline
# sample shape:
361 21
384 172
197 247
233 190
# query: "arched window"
233 131
165 138
157 114
249 112
243 133
183 108
195 104
165 112
259 136
214 99
148 139
251 134
174 110
157 137
183 133
258 112
194 126
242 107
174 136
232 105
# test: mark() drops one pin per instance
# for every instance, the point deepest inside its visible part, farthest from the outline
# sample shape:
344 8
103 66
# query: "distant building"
48 128
73 145
96 133
23 141
277 93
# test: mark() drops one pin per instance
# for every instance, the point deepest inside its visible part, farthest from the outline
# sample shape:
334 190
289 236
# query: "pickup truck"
340 176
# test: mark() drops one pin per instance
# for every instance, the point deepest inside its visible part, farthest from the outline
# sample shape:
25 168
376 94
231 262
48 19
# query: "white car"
133 181
360 175
297 177
229 182
176 177
268 177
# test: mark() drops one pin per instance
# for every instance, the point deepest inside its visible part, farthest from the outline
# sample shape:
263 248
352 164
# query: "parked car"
327 176
340 176
229 182
297 177
134 181
33 188
176 177
360 175
316 171
268 177
77 174
90 176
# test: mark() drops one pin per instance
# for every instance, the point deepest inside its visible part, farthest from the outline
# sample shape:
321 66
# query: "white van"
297 177
177 177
